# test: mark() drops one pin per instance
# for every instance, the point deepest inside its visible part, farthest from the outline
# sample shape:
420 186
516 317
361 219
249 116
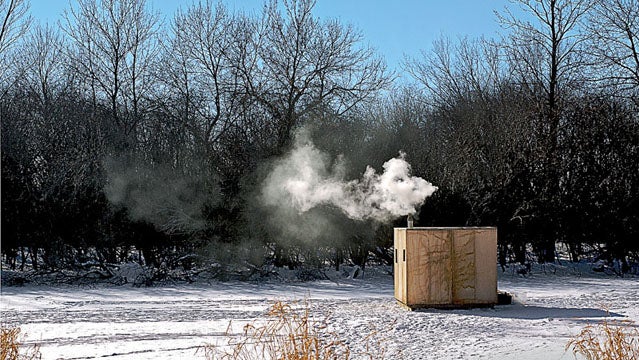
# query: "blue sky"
394 28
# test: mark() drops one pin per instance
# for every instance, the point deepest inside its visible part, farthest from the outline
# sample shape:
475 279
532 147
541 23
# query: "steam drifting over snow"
304 179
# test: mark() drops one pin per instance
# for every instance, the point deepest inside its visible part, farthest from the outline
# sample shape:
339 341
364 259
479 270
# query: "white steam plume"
303 179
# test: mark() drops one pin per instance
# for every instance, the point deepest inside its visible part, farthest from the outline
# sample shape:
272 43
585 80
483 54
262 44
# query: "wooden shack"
446 267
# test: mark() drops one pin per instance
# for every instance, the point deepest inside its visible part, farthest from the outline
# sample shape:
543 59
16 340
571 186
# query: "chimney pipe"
410 221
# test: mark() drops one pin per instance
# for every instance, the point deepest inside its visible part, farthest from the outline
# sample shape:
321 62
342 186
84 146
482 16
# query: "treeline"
126 137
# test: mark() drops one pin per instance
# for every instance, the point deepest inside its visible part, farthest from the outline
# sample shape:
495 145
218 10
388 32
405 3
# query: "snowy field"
171 322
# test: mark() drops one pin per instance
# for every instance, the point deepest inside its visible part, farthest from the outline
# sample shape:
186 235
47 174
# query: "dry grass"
291 334
609 340
13 349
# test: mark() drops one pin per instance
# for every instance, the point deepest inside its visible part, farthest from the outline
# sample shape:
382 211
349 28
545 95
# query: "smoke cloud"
172 202
307 178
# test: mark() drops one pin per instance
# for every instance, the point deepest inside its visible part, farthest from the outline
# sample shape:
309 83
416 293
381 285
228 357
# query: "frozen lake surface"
172 322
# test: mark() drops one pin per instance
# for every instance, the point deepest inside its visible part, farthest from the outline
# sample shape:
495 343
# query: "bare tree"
113 46
15 22
176 98
201 72
467 87
546 54
306 63
462 70
44 62
68 157
614 46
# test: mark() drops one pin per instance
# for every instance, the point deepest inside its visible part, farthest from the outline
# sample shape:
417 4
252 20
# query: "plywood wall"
446 266
428 267
464 279
486 269
400 265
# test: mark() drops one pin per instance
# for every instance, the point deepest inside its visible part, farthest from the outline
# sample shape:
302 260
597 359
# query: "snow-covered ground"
172 322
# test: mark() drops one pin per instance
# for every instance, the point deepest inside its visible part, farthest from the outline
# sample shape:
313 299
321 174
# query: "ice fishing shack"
445 267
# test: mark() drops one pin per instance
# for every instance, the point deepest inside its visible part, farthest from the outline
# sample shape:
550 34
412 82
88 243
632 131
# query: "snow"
172 322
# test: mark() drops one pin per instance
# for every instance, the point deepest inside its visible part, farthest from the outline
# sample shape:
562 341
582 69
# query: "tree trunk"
34 258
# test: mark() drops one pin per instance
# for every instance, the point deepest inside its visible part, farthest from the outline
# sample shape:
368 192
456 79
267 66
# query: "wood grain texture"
486 260
464 286
400 265
446 267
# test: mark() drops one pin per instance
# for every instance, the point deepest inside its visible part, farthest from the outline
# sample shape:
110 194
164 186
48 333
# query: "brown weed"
609 340
12 348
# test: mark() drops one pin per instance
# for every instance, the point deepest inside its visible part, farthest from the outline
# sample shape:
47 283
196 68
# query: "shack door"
400 264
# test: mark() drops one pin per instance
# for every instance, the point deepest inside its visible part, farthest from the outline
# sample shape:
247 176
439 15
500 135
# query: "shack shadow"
530 312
